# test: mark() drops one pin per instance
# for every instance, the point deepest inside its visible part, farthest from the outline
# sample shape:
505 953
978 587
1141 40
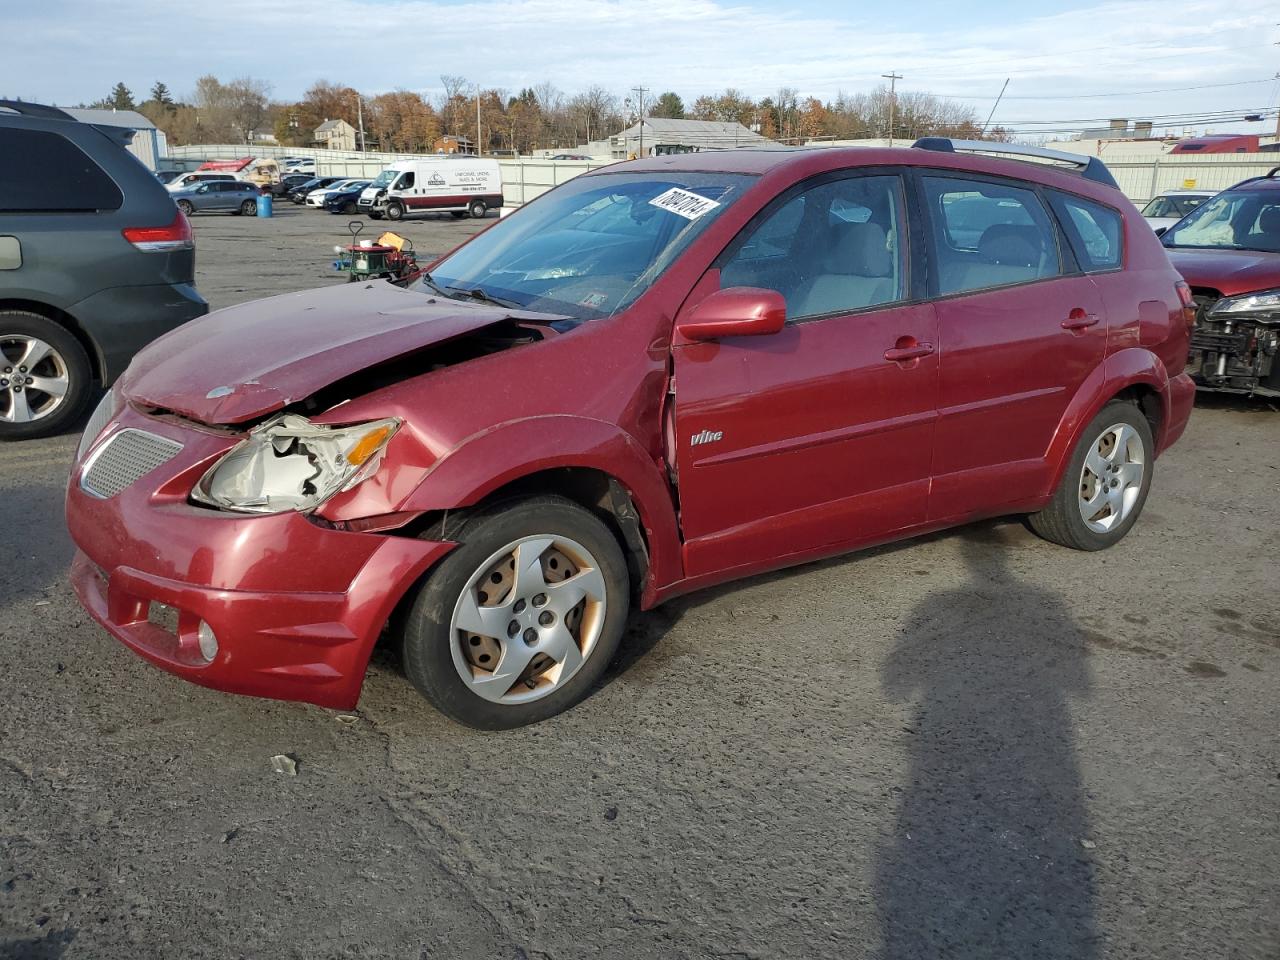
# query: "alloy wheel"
1111 478
33 379
528 619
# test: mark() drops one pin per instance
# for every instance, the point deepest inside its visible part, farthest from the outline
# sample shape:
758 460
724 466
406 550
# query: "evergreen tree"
160 94
121 98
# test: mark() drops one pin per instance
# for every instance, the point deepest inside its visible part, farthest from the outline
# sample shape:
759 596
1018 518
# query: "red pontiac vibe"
661 375
1228 250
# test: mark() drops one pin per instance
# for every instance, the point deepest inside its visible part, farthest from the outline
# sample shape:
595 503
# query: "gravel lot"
968 745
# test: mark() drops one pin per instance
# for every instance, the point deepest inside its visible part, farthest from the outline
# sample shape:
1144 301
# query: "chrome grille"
123 458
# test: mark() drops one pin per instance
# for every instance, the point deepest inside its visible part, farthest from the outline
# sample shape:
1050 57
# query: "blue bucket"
264 204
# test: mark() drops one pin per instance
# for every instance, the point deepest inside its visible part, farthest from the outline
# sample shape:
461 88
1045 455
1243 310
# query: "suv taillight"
1188 304
176 236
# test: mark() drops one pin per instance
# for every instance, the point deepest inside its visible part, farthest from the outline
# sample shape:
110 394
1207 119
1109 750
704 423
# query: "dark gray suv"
95 262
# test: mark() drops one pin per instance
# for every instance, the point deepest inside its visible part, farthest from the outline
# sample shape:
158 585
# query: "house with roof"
655 136
335 135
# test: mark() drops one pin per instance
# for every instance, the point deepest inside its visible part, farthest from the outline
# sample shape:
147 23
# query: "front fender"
510 451
1130 367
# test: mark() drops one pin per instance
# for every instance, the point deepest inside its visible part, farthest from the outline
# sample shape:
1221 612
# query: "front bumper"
1235 353
296 607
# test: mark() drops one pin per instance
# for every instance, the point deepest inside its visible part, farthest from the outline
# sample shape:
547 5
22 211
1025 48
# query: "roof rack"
35 110
1091 168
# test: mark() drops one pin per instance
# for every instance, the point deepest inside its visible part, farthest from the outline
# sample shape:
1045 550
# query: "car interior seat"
857 271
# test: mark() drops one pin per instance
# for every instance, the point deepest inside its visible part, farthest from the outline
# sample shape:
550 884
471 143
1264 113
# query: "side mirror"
1161 231
735 312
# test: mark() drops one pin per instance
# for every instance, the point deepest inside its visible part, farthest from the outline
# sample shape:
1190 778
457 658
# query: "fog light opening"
208 642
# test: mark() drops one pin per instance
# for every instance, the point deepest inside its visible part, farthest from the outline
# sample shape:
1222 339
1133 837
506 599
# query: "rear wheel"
394 211
478 209
349 207
186 207
520 620
249 208
1105 484
45 377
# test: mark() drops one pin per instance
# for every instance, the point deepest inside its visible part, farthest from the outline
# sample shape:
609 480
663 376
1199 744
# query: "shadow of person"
987 859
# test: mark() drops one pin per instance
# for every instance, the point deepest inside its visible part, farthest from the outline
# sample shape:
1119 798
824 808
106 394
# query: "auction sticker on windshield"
684 204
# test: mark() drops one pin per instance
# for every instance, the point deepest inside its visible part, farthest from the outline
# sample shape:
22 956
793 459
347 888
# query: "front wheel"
519 621
349 207
1105 484
45 376
478 209
395 211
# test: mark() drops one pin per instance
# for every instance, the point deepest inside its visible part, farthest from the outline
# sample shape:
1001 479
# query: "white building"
148 142
655 136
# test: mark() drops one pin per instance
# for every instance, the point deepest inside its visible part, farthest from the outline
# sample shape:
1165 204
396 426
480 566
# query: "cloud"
75 50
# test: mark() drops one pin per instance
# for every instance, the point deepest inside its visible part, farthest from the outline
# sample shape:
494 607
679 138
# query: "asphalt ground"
969 745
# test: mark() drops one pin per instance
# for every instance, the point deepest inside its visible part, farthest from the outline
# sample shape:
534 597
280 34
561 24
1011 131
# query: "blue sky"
1067 63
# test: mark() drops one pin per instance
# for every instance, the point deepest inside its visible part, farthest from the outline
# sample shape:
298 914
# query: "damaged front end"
1235 342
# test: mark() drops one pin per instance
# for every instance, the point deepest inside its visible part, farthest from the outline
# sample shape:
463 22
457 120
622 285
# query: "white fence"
1141 175
523 178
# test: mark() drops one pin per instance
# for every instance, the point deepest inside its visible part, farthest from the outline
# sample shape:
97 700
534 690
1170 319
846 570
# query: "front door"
821 435
1020 330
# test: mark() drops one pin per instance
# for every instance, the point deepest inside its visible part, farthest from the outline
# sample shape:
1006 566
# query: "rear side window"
988 235
42 172
1096 232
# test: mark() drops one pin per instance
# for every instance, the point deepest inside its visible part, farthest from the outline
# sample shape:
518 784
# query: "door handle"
1078 319
908 348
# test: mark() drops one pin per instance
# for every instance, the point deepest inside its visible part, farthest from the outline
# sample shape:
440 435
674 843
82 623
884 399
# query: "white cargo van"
445 184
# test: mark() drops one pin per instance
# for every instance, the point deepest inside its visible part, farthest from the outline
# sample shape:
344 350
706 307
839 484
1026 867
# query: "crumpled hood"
246 361
1230 272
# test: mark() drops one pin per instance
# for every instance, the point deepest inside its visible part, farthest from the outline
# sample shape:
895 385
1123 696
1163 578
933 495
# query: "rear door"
817 436
1020 329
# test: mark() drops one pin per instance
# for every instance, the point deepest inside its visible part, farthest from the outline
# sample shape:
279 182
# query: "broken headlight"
290 463
1264 301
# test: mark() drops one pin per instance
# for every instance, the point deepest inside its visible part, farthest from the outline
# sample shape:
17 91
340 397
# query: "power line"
1095 96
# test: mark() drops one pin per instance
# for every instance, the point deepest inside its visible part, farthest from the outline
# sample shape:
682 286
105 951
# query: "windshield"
591 247
384 178
1233 220
1173 206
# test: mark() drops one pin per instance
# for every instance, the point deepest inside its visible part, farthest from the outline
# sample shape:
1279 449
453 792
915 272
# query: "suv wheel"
478 209
249 208
394 211
520 620
186 207
45 377
1105 484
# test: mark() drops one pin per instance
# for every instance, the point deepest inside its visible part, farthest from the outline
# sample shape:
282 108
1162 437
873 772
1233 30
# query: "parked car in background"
298 165
1172 205
797 347
299 193
1228 250
95 262
193 178
460 185
224 196
316 197
292 181
344 200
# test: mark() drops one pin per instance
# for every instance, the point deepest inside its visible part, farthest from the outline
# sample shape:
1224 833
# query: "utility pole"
360 120
478 151
893 79
640 92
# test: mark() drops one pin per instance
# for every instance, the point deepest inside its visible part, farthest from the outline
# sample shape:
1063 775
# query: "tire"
437 655
457 214
186 207
349 207
249 208
477 209
30 412
395 211
1100 479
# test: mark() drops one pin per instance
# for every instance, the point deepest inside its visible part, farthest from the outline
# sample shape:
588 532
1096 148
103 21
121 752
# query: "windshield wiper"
476 293
426 279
